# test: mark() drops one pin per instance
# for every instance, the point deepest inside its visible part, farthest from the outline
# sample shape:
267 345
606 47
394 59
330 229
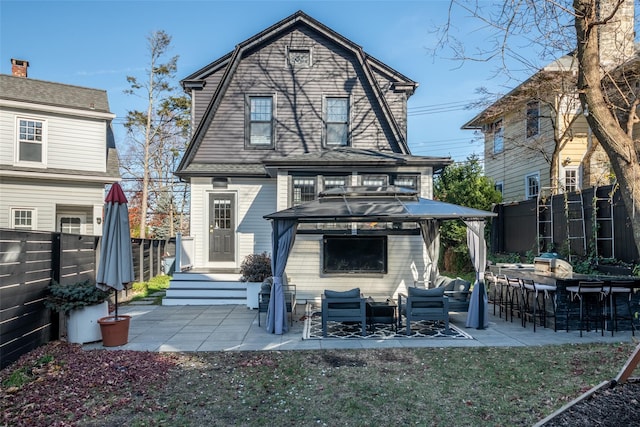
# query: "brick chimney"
19 67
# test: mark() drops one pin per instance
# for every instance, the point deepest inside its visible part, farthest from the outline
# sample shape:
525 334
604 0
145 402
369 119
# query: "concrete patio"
235 328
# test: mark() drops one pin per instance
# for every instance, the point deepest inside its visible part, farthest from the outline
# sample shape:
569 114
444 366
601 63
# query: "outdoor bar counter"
563 279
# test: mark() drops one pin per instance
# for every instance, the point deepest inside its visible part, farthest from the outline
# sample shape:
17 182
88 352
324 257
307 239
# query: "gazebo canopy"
377 204
392 204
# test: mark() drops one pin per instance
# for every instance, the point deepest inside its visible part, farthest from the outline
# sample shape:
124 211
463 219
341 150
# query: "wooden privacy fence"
591 222
31 260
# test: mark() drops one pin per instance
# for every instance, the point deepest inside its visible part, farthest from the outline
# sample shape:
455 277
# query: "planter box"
82 323
253 289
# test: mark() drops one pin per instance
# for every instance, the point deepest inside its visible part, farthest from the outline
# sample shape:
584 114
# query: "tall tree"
157 137
463 184
594 32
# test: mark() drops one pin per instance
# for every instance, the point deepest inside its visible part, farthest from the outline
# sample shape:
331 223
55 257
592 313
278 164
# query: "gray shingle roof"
55 94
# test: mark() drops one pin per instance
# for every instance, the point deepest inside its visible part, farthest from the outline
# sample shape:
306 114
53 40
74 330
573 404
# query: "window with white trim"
498 137
532 185
30 140
260 122
571 180
499 186
533 119
23 219
304 189
336 117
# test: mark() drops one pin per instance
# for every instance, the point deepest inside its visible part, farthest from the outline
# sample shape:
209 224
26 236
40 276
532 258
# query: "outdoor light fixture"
566 161
98 220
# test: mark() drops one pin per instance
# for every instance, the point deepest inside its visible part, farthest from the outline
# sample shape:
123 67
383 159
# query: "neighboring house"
57 153
537 137
292 111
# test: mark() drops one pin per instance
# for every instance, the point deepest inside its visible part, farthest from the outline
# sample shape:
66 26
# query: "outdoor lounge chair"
424 304
458 292
346 306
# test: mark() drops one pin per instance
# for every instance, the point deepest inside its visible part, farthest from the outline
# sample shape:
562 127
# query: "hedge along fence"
31 260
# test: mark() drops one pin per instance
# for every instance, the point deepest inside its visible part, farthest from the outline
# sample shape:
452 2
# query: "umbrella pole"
116 304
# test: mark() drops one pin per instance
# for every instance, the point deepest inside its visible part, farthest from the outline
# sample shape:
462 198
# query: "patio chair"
344 306
424 304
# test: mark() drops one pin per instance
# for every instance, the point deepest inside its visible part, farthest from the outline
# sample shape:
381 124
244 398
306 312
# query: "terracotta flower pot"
114 332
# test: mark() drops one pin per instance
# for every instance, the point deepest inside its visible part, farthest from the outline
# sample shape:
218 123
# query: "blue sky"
98 43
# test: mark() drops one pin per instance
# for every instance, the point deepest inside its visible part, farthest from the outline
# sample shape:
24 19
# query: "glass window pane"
261 133
336 134
304 190
336 109
406 182
374 180
23 219
30 152
334 181
261 109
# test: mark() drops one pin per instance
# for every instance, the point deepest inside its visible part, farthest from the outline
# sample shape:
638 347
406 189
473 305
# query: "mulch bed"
618 406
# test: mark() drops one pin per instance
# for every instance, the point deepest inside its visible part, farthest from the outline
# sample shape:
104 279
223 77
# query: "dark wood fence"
516 228
30 260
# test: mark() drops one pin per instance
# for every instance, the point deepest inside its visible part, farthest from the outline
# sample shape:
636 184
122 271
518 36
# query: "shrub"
63 298
255 267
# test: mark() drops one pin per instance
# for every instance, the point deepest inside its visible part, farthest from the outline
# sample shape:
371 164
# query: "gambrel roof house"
291 112
57 153
537 137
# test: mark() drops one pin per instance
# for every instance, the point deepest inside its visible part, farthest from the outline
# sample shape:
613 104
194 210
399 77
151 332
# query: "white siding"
71 142
45 197
254 199
304 269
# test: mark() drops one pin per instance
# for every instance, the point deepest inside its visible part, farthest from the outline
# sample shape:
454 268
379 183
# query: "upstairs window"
499 186
260 122
304 190
498 137
30 140
533 118
337 121
532 185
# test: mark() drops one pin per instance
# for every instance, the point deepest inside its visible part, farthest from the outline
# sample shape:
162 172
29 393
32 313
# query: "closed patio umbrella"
115 267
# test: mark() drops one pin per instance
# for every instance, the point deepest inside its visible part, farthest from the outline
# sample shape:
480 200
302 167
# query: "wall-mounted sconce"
566 161
98 220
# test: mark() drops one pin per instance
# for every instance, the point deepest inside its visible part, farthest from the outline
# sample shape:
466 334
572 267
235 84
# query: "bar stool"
496 285
515 299
613 290
590 294
537 310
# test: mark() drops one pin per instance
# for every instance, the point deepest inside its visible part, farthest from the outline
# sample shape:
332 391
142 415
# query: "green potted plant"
254 269
82 304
